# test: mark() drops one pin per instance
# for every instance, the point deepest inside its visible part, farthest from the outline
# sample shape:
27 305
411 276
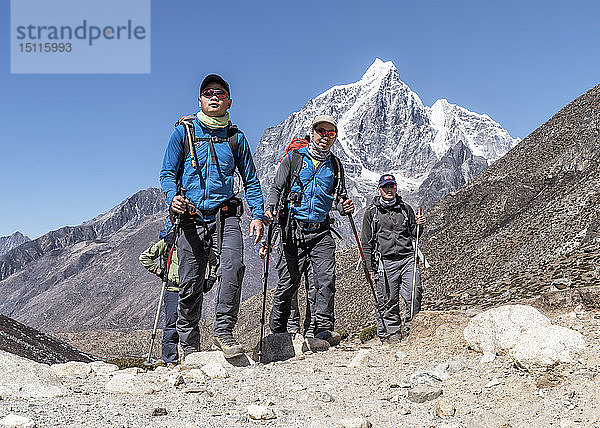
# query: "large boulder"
524 334
26 379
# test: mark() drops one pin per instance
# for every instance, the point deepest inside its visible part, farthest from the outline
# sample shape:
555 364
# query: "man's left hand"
257 228
348 206
420 219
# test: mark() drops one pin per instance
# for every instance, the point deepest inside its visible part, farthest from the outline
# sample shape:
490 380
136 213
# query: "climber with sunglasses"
308 183
197 178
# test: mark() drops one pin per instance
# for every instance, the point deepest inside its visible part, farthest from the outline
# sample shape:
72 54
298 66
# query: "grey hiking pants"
193 247
293 324
393 282
302 250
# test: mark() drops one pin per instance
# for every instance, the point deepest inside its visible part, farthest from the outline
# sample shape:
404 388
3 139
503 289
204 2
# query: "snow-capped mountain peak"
378 70
482 135
383 127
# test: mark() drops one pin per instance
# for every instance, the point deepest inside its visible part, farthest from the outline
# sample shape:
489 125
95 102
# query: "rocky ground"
432 379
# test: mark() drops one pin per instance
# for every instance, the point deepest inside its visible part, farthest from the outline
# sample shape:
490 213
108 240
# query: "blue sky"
73 146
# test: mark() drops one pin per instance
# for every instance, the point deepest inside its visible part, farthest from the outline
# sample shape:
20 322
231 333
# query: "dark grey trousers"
293 324
193 247
393 282
302 250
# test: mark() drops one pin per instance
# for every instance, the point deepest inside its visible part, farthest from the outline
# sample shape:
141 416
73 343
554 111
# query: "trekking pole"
164 282
414 281
265 272
366 271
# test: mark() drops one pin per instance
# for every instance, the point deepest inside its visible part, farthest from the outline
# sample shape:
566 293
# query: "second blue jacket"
315 190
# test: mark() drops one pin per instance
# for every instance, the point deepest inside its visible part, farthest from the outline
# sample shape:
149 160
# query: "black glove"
160 273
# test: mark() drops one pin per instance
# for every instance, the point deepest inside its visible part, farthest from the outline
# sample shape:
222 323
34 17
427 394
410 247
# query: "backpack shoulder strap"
373 214
188 142
296 165
234 141
339 181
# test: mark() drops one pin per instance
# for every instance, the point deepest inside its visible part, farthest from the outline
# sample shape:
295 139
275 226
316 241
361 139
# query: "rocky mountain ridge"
7 243
87 276
529 220
129 212
27 342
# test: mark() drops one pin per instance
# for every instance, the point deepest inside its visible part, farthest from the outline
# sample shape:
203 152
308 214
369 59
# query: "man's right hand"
270 214
179 204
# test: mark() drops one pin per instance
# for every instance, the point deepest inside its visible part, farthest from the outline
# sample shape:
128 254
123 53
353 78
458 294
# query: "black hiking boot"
230 347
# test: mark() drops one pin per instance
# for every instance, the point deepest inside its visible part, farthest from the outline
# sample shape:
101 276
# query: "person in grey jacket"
389 228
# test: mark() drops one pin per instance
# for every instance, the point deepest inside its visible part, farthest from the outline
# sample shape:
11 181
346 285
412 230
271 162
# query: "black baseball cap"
386 179
216 79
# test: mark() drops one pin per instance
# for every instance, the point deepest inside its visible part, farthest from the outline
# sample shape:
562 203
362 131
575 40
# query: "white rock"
161 370
215 371
360 358
400 355
354 423
260 412
130 383
26 379
455 366
444 408
102 368
524 334
428 378
74 369
16 421
546 347
492 383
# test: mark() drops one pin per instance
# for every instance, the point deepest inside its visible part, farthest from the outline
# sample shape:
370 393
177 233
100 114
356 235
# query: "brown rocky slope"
529 219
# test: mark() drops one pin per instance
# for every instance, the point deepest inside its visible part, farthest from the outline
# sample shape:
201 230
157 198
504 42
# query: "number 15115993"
45 47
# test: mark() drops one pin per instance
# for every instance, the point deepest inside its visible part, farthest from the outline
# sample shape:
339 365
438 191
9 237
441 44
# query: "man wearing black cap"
308 182
389 227
201 156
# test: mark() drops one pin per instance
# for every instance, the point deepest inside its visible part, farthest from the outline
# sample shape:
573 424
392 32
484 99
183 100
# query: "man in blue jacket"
210 212
307 183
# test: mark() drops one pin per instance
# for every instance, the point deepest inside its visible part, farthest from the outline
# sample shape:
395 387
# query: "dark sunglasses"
389 186
219 93
325 133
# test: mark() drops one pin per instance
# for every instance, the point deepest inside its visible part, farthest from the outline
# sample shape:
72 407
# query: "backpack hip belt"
311 227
